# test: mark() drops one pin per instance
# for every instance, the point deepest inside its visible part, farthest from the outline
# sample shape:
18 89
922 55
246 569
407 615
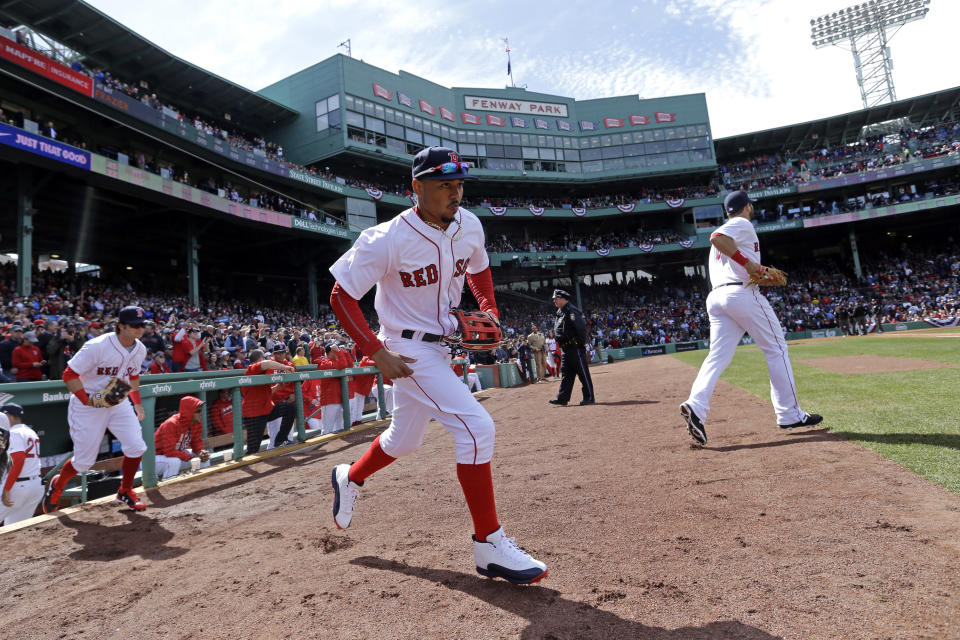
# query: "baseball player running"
100 376
418 261
22 488
736 306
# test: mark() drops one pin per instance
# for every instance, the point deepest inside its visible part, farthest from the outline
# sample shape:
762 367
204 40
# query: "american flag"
540 123
518 122
404 99
382 92
587 125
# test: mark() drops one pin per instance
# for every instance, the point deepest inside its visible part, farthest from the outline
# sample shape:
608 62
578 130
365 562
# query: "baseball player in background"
92 410
20 462
735 307
418 262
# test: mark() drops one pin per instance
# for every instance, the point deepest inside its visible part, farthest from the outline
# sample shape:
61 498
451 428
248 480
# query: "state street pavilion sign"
479 103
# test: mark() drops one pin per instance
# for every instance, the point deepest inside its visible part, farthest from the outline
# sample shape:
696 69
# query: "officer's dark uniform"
571 334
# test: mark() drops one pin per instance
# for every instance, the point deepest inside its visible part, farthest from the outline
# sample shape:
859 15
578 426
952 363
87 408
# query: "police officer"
571 333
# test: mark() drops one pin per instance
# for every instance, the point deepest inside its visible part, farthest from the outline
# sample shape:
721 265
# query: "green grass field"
910 417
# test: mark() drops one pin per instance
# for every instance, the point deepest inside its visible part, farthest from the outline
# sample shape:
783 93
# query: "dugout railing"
45 405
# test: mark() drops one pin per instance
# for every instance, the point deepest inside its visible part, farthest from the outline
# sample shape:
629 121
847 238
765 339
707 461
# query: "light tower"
866 27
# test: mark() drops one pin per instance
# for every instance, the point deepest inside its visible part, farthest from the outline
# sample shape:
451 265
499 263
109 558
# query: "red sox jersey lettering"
419 271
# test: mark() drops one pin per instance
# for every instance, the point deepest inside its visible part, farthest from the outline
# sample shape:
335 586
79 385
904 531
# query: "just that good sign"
479 103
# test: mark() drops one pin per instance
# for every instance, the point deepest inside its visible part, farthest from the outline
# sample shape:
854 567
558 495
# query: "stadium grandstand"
139 176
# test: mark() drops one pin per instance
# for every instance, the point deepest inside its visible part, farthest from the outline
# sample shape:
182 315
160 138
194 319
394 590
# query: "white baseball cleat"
500 557
345 494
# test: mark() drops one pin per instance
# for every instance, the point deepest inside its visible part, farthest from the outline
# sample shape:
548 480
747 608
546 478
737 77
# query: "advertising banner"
687 346
655 351
45 147
44 66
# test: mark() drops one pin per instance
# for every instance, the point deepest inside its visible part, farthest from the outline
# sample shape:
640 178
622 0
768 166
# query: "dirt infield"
761 535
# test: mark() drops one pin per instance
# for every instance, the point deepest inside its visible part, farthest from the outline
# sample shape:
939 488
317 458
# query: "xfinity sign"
478 103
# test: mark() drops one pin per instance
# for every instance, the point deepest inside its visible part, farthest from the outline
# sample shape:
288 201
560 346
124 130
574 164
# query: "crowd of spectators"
500 243
867 154
870 198
913 283
643 195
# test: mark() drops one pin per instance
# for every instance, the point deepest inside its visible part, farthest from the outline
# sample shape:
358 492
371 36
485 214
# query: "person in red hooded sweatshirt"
221 414
175 433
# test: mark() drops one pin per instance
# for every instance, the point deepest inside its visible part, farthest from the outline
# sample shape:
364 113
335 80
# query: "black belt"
729 284
24 479
408 334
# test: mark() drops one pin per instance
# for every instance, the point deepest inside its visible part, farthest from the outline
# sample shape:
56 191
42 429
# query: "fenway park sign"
478 103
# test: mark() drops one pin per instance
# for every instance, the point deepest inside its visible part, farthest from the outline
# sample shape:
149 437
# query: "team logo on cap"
454 156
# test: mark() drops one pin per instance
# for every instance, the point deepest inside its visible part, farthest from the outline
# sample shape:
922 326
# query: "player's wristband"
135 396
82 396
739 258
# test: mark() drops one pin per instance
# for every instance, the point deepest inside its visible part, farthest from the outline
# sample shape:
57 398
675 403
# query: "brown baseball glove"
204 455
477 331
111 395
768 277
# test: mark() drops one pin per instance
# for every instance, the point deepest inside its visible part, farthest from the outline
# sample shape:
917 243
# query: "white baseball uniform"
736 308
96 363
419 272
27 492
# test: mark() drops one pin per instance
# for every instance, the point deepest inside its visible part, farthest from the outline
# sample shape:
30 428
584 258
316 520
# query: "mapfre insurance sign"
478 103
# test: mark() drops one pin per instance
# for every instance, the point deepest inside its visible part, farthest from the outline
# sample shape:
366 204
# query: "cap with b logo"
439 163
131 315
735 201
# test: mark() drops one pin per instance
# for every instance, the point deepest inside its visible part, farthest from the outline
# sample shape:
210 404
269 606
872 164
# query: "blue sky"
752 58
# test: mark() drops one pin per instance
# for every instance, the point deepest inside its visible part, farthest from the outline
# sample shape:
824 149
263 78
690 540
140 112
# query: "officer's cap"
560 293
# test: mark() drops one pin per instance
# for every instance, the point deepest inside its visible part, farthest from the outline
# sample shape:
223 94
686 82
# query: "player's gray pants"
734 311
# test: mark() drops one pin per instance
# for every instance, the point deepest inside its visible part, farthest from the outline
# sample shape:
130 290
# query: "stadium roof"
108 44
921 110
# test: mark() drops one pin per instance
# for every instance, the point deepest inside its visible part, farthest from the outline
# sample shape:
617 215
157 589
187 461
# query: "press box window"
328 112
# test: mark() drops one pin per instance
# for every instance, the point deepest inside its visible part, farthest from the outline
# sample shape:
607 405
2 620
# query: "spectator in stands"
159 364
300 359
151 339
175 433
6 352
27 359
234 341
61 348
258 406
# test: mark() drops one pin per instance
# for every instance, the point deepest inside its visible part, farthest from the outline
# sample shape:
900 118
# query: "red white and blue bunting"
376 194
675 204
537 211
579 212
686 244
627 208
498 211
603 253
646 247
943 322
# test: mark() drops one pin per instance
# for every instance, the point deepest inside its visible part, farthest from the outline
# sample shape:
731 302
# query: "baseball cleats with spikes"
500 557
345 494
130 498
51 497
809 420
694 424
